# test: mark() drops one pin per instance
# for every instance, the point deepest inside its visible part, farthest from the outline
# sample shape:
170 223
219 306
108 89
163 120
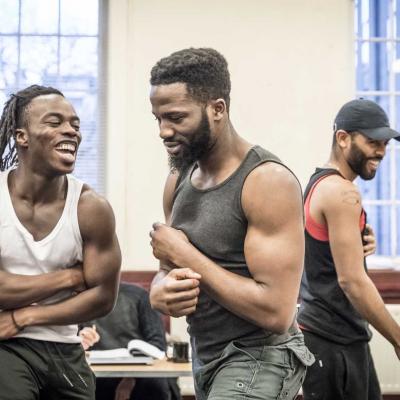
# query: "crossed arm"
274 251
100 273
22 290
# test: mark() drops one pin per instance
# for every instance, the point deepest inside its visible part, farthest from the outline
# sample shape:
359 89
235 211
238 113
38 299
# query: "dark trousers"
145 389
35 369
340 372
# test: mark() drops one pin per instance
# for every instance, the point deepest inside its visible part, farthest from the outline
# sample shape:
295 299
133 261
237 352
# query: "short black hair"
14 117
203 70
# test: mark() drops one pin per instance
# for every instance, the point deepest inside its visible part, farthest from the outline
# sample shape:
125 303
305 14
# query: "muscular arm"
274 250
22 290
341 209
101 264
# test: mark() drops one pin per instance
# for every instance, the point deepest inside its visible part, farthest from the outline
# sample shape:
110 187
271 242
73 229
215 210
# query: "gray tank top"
214 221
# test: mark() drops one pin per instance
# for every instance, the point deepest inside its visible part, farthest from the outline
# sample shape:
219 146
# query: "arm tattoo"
351 197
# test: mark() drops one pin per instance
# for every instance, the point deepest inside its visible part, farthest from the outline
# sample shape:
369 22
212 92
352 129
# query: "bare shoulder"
272 180
95 215
271 187
336 193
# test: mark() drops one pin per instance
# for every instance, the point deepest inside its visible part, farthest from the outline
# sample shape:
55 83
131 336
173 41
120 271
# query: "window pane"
73 51
38 60
397 18
9 16
379 218
79 17
8 61
3 98
396 144
85 105
46 57
371 18
39 16
396 66
372 67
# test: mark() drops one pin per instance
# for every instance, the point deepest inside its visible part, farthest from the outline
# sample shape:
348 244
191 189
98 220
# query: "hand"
89 336
167 242
370 242
177 293
8 328
124 389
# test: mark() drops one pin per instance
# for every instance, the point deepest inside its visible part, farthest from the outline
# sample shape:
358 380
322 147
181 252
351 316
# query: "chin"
63 169
368 176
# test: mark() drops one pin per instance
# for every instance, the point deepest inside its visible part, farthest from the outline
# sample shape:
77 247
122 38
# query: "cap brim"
383 133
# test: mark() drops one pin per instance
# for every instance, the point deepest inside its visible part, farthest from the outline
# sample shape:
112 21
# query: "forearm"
90 304
366 299
17 291
155 301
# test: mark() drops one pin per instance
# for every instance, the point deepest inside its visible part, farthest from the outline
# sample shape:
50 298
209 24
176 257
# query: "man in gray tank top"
231 251
59 254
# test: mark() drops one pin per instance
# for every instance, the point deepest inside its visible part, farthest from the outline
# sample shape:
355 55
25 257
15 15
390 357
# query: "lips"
374 163
172 147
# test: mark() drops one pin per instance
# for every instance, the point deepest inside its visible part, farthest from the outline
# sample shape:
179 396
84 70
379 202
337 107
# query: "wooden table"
160 369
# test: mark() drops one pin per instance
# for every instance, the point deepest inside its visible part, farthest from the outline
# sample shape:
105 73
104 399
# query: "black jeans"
340 372
145 389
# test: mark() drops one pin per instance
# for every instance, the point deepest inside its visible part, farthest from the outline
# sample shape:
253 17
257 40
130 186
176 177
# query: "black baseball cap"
366 117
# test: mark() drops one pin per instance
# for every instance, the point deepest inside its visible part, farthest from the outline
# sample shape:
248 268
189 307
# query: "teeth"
66 146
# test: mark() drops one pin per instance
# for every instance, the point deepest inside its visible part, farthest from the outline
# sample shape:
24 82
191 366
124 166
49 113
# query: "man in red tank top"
339 299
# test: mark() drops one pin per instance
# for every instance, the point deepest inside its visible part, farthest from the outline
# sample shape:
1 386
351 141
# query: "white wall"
291 64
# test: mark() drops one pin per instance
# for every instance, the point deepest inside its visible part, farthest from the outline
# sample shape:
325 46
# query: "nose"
71 131
381 149
166 130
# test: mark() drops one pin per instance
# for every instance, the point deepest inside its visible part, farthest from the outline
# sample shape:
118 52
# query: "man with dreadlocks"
59 254
234 238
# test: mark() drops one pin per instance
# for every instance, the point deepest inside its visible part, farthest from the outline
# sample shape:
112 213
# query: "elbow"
348 286
278 324
105 305
345 284
352 287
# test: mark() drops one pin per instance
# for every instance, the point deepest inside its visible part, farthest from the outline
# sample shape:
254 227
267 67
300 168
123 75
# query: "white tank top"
61 248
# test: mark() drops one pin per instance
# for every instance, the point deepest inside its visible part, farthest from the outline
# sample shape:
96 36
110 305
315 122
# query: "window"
55 43
377 44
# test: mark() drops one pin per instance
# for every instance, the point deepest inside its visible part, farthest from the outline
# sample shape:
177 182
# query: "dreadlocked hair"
13 117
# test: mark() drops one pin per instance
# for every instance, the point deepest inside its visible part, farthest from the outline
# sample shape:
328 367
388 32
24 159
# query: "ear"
218 109
343 138
21 137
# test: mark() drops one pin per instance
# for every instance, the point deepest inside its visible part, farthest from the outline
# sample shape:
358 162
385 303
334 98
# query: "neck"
340 164
34 187
226 148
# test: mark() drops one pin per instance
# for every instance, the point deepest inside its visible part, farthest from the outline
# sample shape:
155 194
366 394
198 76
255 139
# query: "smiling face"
50 137
365 155
183 122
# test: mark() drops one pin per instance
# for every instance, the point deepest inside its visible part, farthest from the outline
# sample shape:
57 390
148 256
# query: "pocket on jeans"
303 355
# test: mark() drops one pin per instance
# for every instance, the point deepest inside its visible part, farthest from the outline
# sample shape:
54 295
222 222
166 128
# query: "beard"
357 161
198 145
